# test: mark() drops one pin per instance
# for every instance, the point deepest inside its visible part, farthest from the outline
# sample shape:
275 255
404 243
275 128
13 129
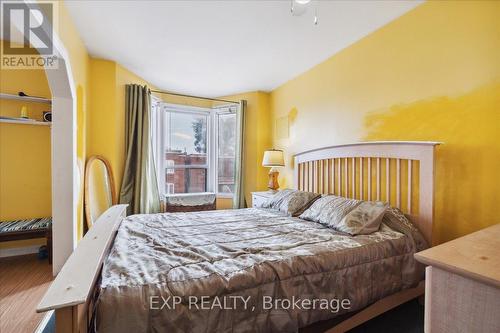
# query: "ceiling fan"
299 7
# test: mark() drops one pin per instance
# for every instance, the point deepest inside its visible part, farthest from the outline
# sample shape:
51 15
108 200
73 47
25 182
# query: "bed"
252 253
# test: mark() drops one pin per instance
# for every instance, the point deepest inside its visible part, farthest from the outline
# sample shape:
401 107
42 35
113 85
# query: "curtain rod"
192 96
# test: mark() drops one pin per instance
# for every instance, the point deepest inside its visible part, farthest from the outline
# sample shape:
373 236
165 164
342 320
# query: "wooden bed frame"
400 172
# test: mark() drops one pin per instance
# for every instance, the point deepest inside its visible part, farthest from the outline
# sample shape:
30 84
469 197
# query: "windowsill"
217 195
187 194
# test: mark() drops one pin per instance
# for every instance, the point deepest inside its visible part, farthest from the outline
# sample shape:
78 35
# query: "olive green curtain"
239 188
139 186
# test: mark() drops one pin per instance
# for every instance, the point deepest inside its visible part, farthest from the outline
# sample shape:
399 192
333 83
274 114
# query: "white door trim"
63 145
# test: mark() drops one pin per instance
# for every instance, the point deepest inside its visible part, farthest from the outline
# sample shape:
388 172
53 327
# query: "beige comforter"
234 270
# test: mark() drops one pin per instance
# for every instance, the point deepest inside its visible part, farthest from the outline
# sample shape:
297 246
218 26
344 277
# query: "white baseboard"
19 251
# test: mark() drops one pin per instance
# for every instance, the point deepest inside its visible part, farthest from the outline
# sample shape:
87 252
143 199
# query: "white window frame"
212 142
176 108
220 110
158 139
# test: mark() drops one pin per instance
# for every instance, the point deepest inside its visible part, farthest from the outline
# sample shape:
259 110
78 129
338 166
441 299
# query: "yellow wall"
106 123
100 100
224 203
35 82
79 61
432 74
106 117
25 179
102 115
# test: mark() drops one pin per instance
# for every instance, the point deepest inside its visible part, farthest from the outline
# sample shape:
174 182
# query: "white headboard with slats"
399 172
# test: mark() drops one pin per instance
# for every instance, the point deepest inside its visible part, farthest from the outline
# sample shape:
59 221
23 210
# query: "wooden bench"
28 229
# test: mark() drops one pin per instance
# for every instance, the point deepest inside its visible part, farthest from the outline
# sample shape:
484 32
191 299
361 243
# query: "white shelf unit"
25 122
26 98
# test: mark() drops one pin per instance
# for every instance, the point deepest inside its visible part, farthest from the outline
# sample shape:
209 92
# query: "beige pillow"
347 215
364 219
292 202
396 220
329 208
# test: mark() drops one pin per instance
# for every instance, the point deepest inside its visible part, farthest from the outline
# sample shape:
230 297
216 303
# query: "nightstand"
259 198
462 283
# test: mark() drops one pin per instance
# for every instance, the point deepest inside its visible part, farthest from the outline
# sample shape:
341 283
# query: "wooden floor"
23 281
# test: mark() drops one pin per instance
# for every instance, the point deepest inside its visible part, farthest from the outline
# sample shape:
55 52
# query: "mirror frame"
86 188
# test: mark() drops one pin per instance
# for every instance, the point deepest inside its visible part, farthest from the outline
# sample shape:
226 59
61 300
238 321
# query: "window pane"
186 180
186 144
186 141
226 152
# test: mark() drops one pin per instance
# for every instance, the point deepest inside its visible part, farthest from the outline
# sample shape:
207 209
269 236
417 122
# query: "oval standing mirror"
99 188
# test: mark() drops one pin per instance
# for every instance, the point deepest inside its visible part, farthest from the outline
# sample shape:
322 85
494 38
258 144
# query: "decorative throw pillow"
347 215
292 202
396 220
329 207
364 219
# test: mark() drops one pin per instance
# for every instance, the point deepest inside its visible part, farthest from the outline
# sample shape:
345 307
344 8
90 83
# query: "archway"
63 147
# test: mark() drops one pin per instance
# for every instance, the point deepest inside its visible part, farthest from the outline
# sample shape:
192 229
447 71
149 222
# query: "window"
194 148
226 151
186 152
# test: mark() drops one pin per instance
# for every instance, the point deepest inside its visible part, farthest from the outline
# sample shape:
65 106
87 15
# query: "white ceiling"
217 48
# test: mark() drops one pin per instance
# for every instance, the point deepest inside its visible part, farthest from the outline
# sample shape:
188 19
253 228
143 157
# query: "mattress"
243 271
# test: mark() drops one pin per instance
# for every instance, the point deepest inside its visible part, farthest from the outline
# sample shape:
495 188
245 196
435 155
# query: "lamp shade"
273 158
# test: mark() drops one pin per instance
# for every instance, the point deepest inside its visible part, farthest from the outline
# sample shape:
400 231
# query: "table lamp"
273 158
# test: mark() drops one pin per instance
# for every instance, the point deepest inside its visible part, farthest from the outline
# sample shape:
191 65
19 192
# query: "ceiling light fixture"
299 7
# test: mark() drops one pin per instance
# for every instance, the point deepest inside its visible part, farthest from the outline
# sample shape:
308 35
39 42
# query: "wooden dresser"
462 290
